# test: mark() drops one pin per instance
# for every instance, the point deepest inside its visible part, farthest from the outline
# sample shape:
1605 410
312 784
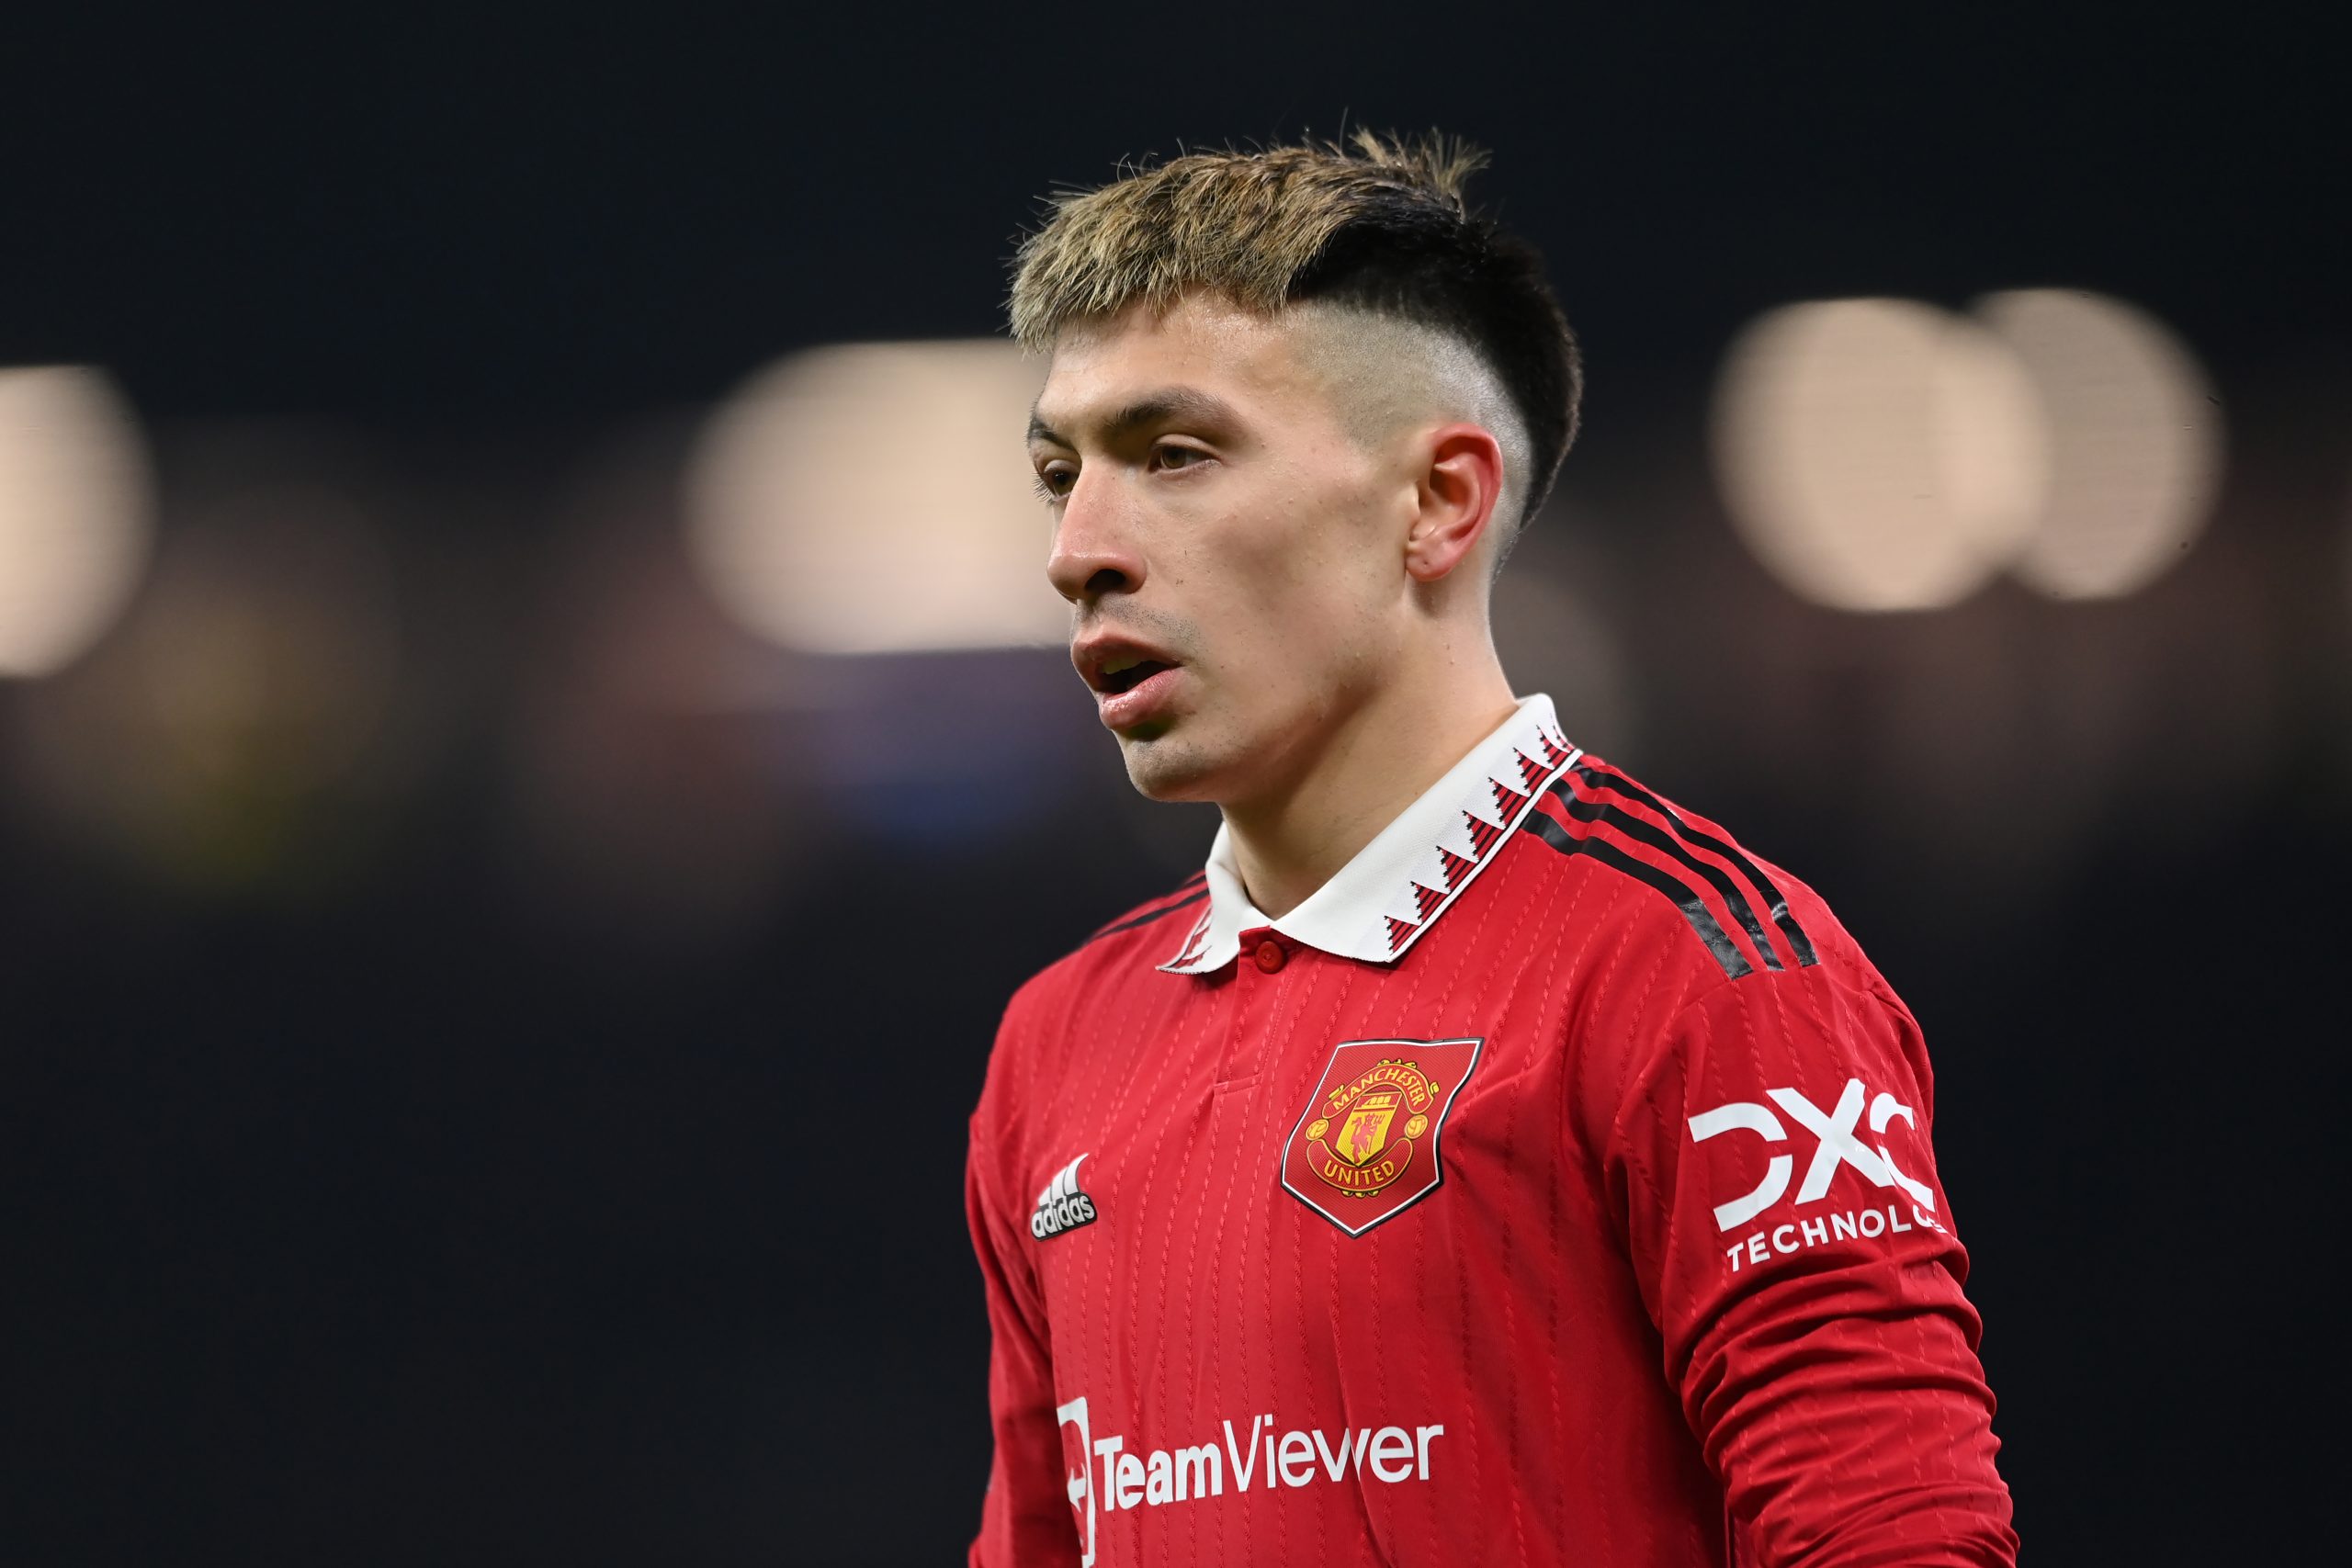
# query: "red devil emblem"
1366 1145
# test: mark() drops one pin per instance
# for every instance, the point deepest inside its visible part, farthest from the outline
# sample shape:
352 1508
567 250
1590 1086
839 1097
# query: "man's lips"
1112 663
1146 700
1132 679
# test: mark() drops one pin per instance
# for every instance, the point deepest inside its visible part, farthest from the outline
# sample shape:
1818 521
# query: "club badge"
1366 1147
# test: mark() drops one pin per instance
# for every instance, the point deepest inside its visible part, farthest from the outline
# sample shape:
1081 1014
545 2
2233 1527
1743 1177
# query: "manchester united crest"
1366 1145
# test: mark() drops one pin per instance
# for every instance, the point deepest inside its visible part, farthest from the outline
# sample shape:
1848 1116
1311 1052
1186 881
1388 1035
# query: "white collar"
1378 904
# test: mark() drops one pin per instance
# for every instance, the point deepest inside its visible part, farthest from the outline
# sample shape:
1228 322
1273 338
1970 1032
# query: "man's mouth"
1124 674
1134 683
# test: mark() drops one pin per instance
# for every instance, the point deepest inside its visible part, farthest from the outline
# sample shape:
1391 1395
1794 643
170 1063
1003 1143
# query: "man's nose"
1094 553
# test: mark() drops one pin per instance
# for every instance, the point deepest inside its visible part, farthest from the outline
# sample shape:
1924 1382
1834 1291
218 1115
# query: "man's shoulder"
1054 1025
1131 945
1188 897
1668 877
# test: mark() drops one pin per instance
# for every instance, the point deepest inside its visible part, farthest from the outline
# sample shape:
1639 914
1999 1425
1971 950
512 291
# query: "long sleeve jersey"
1553 1187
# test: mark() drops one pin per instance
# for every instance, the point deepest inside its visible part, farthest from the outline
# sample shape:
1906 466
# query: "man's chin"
1164 767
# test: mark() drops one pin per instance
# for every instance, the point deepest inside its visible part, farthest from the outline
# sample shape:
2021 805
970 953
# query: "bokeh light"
2136 440
1878 454
872 498
76 504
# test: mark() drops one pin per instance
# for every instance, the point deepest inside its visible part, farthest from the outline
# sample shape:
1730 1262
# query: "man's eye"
1172 457
1054 483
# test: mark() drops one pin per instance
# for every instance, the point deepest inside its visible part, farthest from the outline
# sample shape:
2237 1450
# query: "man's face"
1233 555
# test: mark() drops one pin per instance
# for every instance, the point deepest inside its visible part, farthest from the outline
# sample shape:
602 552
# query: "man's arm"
1771 1160
1027 1517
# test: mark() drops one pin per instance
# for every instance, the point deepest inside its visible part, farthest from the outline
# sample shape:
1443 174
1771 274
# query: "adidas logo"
1061 1206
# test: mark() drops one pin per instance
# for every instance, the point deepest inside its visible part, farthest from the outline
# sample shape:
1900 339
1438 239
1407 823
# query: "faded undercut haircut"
1379 225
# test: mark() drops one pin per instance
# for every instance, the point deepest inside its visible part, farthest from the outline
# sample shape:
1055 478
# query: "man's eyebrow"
1172 402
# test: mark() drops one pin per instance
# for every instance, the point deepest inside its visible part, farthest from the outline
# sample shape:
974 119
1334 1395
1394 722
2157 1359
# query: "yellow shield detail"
1366 1147
1364 1132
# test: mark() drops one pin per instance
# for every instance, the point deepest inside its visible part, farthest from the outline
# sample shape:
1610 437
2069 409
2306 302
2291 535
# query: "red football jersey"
1553 1187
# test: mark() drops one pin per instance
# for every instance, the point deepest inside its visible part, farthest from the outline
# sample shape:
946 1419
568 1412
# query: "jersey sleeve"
1025 1518
1769 1157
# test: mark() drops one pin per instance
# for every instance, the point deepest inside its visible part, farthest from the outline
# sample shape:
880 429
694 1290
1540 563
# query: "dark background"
542 1143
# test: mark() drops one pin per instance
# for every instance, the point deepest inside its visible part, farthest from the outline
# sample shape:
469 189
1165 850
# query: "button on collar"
1265 946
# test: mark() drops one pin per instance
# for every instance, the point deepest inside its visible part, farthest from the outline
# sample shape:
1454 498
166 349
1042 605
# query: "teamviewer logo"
1080 1479
1062 1207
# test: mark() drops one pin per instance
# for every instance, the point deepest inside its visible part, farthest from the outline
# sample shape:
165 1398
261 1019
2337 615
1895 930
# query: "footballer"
1484 1159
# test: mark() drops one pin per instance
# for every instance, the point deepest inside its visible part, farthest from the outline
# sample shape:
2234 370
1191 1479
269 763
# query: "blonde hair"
1247 225
1380 224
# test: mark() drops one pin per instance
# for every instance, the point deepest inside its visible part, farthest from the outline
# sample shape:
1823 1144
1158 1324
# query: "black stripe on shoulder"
1665 843
1686 899
1776 902
1132 921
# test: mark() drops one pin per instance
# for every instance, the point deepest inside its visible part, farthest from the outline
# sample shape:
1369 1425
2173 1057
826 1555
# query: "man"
1483 1160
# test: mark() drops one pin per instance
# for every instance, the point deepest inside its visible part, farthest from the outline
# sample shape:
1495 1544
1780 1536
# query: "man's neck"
1360 779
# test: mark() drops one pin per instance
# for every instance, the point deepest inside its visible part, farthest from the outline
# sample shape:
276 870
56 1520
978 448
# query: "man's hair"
1380 226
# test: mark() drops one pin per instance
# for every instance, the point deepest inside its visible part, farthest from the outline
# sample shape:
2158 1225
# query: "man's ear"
1457 497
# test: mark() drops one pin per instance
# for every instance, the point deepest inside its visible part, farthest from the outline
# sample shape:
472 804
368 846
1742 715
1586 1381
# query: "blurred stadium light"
1885 455
1878 454
2136 440
76 504
871 498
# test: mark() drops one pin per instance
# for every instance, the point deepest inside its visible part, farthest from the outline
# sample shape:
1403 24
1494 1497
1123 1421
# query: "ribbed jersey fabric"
1599 1226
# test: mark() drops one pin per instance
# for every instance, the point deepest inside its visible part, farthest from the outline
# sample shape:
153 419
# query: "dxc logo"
1836 1144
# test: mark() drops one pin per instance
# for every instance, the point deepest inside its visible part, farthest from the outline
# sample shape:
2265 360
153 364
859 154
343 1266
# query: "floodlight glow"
75 514
873 498
2136 441
1878 454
